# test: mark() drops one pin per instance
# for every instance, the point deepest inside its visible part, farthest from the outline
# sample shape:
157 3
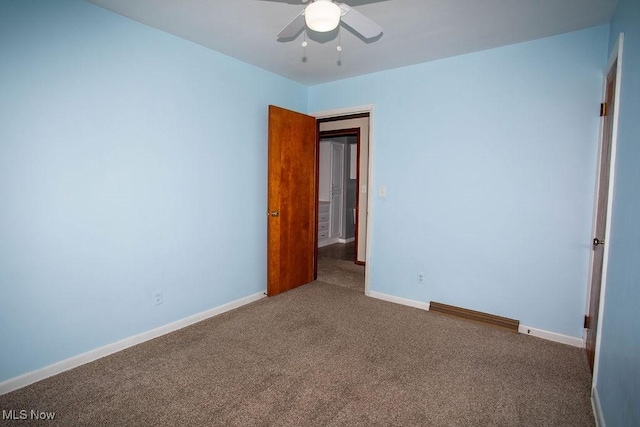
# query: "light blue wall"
489 162
618 381
130 161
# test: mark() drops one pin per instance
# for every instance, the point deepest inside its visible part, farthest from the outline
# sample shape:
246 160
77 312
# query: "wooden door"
291 200
602 201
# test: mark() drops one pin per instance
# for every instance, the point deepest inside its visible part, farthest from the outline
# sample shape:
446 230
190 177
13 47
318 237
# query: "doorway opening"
293 194
342 202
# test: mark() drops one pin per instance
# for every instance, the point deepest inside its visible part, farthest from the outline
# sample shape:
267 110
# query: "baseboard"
81 359
402 301
492 320
352 239
597 409
523 329
327 242
551 336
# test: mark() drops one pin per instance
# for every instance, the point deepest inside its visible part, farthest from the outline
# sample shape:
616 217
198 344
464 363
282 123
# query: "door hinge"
586 322
603 109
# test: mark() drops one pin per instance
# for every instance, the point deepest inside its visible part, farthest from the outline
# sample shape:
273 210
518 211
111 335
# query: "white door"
337 167
336 215
324 191
337 179
602 205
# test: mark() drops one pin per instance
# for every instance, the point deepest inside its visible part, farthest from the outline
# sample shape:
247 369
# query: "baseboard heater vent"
476 316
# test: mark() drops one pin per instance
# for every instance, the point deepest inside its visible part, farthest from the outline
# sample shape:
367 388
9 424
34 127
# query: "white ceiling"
414 30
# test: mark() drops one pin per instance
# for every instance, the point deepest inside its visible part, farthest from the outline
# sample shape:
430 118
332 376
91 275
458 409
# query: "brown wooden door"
291 202
601 216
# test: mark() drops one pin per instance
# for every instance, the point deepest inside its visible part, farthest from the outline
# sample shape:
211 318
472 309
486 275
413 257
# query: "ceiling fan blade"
293 28
360 23
290 1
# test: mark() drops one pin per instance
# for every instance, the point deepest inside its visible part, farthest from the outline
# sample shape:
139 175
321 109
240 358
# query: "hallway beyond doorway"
338 251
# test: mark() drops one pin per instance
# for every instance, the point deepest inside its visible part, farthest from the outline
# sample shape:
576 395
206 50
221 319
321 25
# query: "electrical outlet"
157 297
421 278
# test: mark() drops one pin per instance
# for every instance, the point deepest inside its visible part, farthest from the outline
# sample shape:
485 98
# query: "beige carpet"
324 355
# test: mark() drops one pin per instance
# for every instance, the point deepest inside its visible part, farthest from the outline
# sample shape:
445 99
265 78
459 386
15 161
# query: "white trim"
81 359
597 409
402 301
343 111
328 241
527 330
369 108
369 242
352 239
616 55
551 336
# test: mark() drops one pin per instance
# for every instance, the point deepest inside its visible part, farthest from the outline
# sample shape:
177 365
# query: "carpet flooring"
323 354
341 273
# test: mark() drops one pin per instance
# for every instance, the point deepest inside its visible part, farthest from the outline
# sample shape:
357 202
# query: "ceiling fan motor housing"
322 15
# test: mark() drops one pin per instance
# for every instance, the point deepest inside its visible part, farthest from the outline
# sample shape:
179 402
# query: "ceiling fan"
325 15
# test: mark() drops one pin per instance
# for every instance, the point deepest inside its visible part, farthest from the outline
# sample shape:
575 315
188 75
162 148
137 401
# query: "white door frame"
345 112
616 55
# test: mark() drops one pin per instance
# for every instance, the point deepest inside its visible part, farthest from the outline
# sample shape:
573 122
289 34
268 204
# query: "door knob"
275 213
597 242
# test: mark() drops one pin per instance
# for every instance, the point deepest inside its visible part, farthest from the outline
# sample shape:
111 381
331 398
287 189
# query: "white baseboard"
401 301
352 239
527 330
327 242
597 409
81 359
551 336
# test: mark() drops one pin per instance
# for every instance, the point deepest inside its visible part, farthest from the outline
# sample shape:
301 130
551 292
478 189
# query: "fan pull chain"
339 47
304 47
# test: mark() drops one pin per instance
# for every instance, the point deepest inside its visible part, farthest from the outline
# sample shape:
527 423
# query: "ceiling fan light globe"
322 16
